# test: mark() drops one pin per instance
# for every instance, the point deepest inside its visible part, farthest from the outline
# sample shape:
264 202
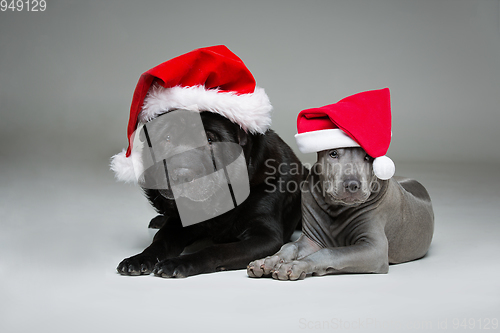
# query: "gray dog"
353 222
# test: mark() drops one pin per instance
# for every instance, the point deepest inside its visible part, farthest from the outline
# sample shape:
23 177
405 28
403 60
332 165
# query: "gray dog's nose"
352 185
183 175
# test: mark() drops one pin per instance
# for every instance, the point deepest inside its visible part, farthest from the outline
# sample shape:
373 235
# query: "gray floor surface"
64 226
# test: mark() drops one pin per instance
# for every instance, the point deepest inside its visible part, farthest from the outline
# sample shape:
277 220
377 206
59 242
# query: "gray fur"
352 221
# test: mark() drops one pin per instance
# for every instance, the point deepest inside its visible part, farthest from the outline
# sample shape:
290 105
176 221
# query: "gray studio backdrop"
67 74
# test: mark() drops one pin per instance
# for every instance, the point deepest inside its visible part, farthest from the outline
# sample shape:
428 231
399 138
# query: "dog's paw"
256 268
264 267
139 264
174 268
295 270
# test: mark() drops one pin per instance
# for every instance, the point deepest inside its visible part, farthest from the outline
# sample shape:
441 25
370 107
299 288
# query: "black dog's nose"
352 185
183 175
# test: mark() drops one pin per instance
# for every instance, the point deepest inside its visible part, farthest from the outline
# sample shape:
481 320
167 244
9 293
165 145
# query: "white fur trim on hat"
251 111
383 167
311 142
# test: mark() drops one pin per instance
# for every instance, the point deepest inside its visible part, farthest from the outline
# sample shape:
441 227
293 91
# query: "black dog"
256 228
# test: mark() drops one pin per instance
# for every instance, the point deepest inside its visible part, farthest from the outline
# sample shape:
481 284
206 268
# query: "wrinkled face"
189 154
346 175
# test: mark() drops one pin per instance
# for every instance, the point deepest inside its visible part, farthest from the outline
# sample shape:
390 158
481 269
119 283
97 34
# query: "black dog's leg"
169 242
221 257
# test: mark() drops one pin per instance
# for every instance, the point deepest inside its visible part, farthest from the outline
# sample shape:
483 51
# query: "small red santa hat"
210 79
361 120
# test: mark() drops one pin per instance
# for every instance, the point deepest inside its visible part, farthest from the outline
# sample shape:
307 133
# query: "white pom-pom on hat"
383 167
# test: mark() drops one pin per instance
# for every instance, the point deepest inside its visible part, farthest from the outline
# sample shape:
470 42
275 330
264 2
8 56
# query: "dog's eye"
210 137
334 154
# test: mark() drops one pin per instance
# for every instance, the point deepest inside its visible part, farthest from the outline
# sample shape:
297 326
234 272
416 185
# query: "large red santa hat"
207 79
361 120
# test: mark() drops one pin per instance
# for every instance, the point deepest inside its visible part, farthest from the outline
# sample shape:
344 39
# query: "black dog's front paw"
137 265
174 268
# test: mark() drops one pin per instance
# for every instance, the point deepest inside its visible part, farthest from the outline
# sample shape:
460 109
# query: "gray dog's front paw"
295 270
265 266
137 265
256 268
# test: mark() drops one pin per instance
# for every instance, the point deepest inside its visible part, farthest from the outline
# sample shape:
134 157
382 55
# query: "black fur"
255 229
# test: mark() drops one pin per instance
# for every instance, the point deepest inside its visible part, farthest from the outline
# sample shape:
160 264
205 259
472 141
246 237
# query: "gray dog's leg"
301 248
354 259
364 257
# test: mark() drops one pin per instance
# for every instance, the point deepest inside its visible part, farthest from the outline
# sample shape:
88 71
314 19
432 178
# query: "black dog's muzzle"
178 160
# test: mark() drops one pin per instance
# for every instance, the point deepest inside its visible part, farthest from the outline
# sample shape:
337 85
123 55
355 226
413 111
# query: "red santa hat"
361 120
207 79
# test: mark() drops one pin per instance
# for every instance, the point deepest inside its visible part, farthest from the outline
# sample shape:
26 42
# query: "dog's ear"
242 137
317 168
142 135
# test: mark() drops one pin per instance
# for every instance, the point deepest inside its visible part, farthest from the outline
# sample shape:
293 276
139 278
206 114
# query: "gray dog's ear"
317 168
242 137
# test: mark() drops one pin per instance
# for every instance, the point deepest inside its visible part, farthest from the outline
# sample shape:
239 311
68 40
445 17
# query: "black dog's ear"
242 137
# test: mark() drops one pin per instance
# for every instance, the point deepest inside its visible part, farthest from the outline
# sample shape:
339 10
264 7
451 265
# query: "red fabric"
212 67
365 117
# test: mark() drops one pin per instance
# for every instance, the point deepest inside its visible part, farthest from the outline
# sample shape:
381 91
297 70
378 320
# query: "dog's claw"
136 265
133 271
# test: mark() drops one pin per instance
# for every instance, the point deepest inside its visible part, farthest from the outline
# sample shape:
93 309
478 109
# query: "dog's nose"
352 185
183 175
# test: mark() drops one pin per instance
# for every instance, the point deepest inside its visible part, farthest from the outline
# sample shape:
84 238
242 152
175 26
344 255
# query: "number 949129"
23 5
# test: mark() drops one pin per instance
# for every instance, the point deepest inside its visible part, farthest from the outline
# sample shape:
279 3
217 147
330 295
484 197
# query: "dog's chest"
334 227
346 226
221 229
